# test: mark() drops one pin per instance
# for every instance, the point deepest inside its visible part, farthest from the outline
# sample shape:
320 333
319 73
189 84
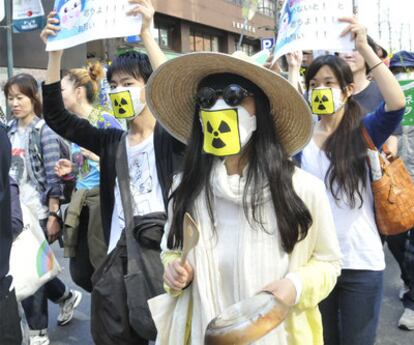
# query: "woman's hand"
51 29
283 289
178 276
63 167
358 33
145 8
294 59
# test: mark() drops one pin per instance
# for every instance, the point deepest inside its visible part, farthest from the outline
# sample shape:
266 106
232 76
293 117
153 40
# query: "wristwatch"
57 215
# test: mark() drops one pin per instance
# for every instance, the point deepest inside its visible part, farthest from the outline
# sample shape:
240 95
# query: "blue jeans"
350 314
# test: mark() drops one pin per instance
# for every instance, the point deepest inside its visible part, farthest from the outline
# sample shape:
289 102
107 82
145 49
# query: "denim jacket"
40 165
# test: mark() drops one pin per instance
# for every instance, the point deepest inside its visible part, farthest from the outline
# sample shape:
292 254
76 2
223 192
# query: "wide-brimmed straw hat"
171 91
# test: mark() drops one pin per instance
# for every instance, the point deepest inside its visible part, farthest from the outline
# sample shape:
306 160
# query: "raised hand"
51 28
145 8
358 32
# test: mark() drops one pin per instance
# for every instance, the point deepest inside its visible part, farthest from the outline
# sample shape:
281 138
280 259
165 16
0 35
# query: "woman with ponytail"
337 154
84 239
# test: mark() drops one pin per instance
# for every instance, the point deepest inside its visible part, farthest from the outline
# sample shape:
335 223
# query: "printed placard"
313 25
28 15
87 20
408 88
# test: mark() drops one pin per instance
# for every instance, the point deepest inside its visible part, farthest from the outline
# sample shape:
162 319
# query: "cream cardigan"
316 260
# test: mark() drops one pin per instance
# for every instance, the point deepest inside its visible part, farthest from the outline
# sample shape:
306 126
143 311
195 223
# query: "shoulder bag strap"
122 172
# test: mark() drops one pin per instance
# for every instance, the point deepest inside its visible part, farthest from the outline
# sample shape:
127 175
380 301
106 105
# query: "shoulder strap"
367 139
122 172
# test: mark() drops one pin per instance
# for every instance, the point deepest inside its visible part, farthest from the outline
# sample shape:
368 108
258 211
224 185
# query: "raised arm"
388 85
155 54
57 117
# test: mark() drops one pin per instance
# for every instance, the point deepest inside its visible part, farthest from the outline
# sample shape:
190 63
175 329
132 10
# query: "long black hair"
268 164
345 147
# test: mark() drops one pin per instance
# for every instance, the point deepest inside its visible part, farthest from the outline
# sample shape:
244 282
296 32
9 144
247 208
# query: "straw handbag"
393 193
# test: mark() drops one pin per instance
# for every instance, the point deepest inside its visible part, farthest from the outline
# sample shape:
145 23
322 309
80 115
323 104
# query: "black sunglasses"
233 95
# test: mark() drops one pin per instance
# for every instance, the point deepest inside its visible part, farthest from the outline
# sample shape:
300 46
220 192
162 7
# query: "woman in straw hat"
264 224
337 154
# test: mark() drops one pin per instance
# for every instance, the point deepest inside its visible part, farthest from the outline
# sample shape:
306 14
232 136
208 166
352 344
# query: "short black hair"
132 63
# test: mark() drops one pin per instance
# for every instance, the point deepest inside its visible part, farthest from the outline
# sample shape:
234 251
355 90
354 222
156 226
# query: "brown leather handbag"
393 193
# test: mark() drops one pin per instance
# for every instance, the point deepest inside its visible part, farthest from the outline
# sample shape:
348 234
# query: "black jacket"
6 237
104 142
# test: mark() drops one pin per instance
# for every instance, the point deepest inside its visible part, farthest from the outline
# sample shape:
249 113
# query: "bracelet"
375 66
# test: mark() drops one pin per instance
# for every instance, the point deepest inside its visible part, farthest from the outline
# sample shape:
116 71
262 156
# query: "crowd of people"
271 165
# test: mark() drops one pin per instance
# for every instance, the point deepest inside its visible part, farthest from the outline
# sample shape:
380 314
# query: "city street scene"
185 172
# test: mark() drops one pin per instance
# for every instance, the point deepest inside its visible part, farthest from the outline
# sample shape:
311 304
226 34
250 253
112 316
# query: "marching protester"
337 155
9 317
402 245
366 91
35 151
153 155
84 240
264 224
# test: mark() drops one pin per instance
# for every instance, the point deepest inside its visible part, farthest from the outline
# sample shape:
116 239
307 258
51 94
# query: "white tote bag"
32 262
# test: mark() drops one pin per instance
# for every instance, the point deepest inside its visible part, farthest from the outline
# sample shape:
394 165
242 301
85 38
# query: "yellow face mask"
126 102
226 130
322 101
221 132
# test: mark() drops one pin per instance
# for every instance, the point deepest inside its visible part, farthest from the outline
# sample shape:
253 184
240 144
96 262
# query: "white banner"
28 15
2 9
87 20
313 25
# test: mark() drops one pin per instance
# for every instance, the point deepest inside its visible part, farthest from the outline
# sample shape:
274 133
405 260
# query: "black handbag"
130 275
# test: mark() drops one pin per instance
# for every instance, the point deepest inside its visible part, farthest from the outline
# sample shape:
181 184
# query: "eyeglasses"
233 95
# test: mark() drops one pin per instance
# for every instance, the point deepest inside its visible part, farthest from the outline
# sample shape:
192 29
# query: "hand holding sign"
146 10
86 20
357 30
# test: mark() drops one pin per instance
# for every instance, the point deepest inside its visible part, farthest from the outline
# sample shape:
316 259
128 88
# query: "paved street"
77 332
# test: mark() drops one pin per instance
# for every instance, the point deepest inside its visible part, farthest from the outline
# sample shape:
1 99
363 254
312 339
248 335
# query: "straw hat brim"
171 90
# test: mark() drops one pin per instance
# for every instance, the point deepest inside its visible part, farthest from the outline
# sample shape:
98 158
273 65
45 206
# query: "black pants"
80 266
10 331
397 246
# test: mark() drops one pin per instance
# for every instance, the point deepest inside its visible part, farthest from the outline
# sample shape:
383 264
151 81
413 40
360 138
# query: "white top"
356 228
145 187
18 171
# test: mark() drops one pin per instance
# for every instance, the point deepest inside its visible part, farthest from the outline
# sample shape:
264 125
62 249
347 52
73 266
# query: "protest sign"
87 20
313 25
28 15
408 87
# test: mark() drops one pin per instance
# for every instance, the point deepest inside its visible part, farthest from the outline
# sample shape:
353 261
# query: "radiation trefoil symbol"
322 101
122 104
221 132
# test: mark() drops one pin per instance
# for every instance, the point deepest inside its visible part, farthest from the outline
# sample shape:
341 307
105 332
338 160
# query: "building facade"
181 26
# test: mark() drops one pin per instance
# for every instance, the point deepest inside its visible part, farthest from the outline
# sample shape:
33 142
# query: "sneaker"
67 307
407 320
39 340
402 291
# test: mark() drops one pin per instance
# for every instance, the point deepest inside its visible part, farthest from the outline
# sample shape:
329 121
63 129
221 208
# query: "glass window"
163 35
215 44
207 43
199 40
203 42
